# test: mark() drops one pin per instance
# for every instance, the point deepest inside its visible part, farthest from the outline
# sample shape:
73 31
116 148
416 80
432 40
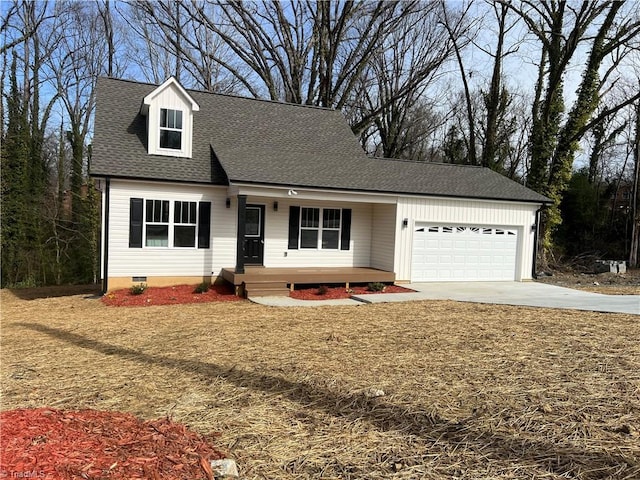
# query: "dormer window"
170 129
169 109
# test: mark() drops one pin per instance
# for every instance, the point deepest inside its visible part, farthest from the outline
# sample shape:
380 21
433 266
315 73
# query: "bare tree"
562 28
471 146
104 10
80 59
304 52
25 30
634 252
408 63
497 99
175 43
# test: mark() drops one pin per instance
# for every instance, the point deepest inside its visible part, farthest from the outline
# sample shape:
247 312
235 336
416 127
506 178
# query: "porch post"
242 211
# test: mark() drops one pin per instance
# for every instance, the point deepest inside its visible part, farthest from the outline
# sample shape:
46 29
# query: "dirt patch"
56 291
430 389
332 293
608 283
177 295
49 443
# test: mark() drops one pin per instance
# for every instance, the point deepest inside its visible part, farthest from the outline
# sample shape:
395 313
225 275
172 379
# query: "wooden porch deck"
256 280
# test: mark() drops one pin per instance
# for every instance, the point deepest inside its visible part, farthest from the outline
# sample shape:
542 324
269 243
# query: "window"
170 129
326 228
157 223
252 222
162 223
330 228
184 220
312 230
309 227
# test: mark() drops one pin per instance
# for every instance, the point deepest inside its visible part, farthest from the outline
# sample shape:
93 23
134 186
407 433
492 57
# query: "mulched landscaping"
169 296
57 444
183 294
334 293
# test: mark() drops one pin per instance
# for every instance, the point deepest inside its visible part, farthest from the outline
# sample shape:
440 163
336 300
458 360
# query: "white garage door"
463 253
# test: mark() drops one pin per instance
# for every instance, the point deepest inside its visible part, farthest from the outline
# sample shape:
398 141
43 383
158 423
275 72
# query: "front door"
254 235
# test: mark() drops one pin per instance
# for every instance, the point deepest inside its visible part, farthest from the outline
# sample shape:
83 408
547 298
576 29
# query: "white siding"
378 238
383 236
465 212
277 254
145 261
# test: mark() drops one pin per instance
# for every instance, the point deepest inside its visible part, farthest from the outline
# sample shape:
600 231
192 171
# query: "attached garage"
465 239
450 252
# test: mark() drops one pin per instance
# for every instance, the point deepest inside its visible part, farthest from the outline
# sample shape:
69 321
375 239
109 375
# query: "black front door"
254 235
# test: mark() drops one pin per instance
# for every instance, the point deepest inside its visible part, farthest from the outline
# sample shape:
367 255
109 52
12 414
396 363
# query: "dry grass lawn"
470 391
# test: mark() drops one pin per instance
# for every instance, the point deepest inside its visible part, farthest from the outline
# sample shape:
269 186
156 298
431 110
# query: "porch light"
405 222
275 206
228 202
534 227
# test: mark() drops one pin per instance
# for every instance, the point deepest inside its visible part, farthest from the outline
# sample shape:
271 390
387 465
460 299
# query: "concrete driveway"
530 294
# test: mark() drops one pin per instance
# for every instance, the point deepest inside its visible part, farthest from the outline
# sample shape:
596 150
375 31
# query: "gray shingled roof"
242 140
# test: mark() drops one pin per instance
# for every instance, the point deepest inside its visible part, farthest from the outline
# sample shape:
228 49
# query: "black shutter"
204 224
345 236
294 227
135 222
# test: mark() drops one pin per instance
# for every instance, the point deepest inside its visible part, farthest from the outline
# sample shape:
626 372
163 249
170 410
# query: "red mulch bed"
182 294
89 444
177 295
333 293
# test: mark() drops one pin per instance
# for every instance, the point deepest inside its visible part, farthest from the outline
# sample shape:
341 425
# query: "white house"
200 186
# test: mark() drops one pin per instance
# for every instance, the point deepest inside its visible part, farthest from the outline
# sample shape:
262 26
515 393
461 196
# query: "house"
207 186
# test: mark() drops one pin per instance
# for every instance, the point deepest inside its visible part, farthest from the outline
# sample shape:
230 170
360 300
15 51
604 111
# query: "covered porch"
261 281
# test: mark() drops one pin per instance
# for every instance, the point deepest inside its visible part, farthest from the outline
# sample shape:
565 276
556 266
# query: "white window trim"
147 223
177 98
320 229
193 223
182 130
171 225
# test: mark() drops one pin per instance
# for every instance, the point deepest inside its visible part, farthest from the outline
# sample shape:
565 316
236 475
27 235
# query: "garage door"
463 253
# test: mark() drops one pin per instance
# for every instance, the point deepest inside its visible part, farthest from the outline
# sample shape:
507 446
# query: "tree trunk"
634 254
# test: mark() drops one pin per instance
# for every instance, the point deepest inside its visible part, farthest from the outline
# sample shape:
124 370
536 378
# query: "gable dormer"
169 111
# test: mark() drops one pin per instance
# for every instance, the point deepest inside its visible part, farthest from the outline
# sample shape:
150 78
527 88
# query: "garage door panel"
465 253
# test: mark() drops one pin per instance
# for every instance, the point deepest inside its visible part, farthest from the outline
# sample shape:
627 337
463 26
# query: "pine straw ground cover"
470 391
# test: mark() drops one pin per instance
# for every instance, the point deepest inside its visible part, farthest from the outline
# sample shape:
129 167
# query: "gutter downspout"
536 234
105 237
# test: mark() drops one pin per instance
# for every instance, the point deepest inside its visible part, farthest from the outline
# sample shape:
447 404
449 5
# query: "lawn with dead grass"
470 391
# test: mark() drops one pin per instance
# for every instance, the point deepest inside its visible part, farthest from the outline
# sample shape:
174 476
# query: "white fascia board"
353 196
472 199
310 194
173 83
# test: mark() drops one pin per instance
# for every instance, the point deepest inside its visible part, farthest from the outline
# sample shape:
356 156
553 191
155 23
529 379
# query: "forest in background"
546 93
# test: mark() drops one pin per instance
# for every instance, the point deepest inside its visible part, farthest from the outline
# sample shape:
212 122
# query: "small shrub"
138 289
323 289
376 287
202 288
